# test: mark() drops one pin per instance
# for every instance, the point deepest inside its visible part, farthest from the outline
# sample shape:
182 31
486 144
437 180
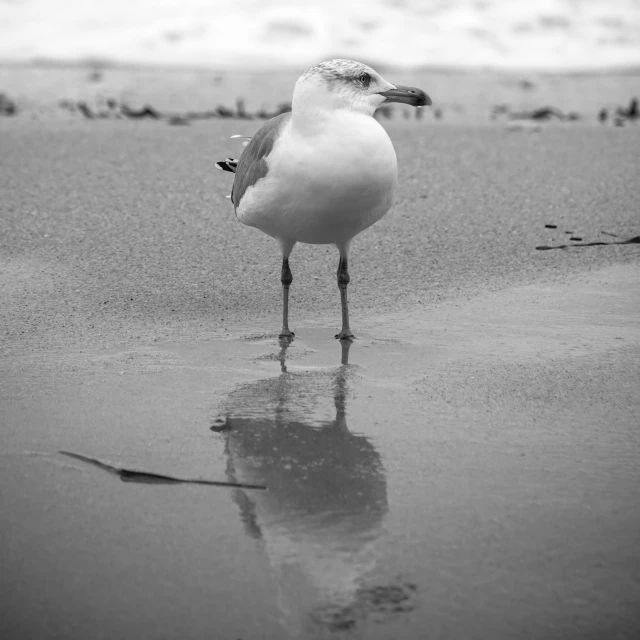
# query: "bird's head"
346 84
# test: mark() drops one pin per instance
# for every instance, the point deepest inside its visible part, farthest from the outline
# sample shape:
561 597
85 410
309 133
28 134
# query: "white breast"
327 185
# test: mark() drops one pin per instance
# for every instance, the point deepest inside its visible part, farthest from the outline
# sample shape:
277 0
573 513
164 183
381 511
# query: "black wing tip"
230 164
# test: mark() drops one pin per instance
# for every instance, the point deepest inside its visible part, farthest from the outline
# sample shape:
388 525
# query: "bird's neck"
313 107
313 119
310 120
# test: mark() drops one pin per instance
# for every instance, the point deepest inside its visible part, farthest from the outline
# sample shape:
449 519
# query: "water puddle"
430 472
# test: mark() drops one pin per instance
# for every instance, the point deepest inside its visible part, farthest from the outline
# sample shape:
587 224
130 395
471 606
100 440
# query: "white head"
346 84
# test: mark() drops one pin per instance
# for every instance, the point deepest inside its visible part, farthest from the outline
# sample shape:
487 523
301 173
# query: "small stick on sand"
634 240
144 477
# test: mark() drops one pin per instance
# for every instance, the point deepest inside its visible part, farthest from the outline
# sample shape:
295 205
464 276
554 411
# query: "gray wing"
253 164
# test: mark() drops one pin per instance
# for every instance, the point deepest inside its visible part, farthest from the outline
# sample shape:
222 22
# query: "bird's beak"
409 95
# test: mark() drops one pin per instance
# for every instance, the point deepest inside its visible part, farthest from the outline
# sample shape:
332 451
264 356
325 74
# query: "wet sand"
472 472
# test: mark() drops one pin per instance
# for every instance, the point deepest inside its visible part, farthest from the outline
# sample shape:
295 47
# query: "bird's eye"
365 78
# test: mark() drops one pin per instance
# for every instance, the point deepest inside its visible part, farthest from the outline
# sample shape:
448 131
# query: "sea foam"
547 34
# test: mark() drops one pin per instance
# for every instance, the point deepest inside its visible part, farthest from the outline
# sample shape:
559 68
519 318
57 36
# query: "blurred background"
188 60
506 34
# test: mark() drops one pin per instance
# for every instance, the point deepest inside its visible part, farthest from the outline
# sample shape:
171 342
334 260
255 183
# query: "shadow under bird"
324 172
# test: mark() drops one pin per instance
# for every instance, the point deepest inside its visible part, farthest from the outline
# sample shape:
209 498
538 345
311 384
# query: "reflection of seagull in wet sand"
324 172
326 500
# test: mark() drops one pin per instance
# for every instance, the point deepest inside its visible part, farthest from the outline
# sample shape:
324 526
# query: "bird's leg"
286 278
343 281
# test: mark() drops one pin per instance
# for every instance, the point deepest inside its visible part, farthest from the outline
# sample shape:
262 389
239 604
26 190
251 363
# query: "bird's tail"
230 164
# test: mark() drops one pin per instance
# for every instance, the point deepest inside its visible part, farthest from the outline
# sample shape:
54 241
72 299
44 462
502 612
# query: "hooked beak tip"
408 95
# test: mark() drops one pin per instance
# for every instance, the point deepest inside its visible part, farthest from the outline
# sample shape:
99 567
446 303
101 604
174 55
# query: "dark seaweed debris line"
116 110
541 113
113 109
7 106
145 477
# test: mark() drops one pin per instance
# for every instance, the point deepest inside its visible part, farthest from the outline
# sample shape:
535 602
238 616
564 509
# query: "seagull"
323 172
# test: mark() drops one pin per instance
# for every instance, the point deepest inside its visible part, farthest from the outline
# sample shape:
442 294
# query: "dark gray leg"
343 281
286 278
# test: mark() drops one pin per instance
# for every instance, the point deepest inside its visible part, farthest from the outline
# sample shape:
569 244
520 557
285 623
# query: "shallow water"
469 471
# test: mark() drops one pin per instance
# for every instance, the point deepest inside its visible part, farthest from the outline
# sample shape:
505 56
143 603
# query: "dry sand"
473 472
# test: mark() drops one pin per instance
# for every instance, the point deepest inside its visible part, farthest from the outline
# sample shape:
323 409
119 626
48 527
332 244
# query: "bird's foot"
285 333
220 424
344 335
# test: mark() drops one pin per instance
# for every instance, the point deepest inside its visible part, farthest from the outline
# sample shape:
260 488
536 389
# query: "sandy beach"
472 472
